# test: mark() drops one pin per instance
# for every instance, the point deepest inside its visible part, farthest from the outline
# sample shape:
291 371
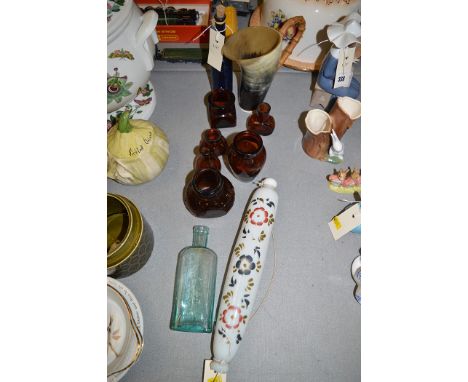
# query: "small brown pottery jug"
261 121
247 155
343 113
213 140
209 194
317 139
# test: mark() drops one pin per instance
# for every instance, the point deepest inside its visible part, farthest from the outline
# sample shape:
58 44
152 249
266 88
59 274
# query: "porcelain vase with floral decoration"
131 39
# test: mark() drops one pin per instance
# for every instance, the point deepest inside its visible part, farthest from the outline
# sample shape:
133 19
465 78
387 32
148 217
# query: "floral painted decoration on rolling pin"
244 273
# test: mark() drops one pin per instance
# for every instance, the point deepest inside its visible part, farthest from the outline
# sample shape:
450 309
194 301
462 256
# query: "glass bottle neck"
207 182
200 236
262 116
263 111
247 144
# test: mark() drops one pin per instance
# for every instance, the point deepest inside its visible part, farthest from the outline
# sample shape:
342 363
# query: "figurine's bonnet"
346 32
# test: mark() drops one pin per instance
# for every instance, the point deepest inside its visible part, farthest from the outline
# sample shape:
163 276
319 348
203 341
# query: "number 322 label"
344 68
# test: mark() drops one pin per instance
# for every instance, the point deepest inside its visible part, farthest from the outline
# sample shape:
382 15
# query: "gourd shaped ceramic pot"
131 39
317 13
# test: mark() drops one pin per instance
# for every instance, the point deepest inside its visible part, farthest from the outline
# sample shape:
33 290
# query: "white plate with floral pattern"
124 330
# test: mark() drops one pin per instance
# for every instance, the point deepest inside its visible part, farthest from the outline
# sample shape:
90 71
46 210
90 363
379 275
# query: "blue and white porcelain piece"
342 35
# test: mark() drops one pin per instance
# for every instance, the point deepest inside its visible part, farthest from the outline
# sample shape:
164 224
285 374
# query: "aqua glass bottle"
194 288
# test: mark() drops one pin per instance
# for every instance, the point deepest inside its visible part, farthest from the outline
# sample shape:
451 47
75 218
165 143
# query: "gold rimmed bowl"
124 330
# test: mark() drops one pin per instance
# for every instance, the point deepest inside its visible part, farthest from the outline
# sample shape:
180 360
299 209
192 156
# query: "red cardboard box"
182 34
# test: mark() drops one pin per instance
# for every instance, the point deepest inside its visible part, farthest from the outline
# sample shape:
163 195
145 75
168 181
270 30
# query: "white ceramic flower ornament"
243 274
346 32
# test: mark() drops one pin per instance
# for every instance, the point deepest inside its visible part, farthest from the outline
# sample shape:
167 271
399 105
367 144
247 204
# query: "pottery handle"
147 29
298 22
150 19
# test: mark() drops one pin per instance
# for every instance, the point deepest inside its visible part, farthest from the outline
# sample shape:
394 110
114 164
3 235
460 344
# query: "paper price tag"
215 57
344 69
211 376
349 219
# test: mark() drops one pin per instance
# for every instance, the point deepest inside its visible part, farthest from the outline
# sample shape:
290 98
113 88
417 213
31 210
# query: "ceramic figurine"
246 155
261 122
257 50
317 13
131 39
243 274
222 78
194 287
356 274
336 152
345 181
342 35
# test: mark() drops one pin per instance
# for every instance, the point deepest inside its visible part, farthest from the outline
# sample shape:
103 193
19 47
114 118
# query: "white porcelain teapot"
317 14
131 39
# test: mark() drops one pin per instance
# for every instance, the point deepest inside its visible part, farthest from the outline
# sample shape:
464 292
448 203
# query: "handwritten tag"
349 219
344 69
215 57
211 376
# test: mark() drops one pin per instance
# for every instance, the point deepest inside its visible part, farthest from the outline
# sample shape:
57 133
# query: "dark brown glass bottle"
221 108
209 194
246 155
261 122
207 159
213 140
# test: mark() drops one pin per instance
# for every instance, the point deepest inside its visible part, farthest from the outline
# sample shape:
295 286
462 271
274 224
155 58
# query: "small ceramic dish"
124 330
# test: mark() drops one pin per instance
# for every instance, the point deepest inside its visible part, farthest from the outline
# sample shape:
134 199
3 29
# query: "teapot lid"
117 12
